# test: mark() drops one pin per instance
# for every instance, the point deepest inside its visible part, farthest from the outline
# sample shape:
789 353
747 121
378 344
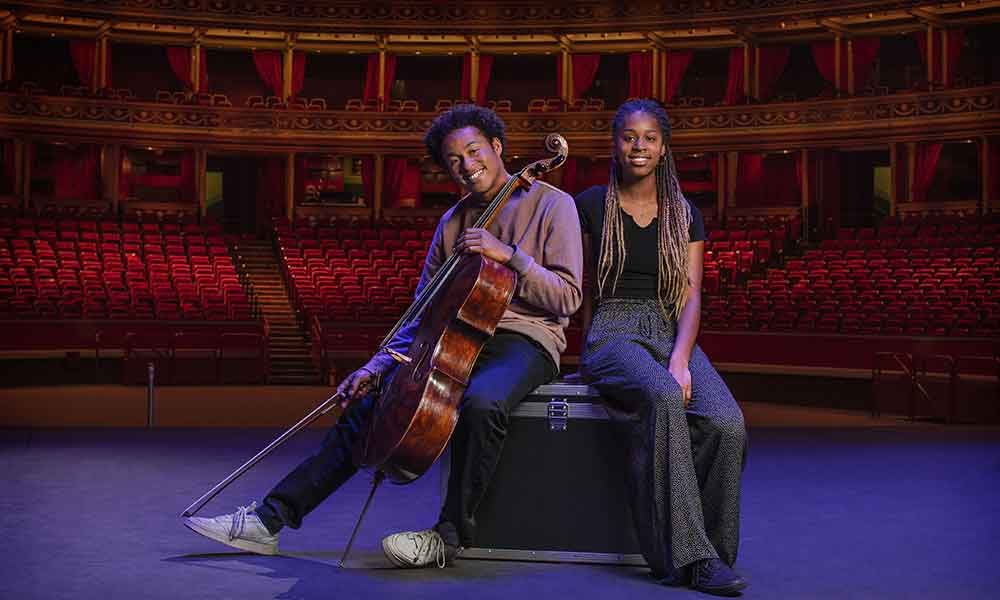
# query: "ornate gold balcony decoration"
470 16
928 115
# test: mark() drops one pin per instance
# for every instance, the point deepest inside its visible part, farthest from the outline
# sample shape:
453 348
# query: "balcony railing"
945 114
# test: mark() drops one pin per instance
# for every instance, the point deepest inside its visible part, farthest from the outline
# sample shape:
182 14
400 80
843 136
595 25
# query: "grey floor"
827 513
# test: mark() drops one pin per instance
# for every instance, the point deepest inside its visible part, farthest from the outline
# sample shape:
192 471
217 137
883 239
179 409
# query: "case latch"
558 410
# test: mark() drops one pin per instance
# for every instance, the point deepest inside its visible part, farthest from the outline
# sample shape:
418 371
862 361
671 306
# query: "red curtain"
568 183
90 177
993 164
591 172
180 63
371 78
184 182
955 39
798 169
782 180
203 72
271 187
584 71
640 75
9 170
402 184
678 62
687 165
865 51
925 168
75 175
485 70
300 170
268 63
368 179
125 176
899 178
579 174
734 83
395 170
83 53
827 179
409 186
465 91
749 179
298 72
773 60
187 178
390 74
825 56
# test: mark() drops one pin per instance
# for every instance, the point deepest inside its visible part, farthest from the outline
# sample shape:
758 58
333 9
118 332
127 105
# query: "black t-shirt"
639 275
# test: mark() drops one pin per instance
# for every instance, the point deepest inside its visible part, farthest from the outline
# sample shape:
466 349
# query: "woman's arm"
587 306
688 322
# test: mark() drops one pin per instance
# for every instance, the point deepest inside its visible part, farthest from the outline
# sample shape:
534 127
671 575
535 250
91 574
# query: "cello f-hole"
417 372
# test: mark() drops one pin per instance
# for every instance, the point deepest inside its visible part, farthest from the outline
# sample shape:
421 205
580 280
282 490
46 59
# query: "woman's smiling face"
639 146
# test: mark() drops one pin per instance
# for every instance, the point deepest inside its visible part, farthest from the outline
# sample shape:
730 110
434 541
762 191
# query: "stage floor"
894 511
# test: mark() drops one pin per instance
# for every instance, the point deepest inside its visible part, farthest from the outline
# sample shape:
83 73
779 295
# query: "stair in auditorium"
291 361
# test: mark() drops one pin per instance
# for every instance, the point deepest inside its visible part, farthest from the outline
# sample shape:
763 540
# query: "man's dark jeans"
508 369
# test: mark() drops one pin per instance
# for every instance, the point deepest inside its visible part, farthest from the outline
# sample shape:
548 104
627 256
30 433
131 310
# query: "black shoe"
677 578
713 576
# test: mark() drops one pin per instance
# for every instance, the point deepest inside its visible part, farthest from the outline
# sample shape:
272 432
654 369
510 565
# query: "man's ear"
497 146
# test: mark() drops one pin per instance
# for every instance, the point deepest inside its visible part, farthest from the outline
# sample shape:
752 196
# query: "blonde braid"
674 212
612 236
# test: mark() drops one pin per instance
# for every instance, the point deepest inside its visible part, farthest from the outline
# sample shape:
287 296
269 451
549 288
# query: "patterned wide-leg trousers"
685 465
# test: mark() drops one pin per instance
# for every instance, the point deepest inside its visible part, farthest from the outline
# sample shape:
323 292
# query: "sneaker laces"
427 544
240 520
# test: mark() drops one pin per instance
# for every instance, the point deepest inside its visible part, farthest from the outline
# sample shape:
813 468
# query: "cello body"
416 413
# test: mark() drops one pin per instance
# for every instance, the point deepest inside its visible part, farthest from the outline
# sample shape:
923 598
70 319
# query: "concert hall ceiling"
572 24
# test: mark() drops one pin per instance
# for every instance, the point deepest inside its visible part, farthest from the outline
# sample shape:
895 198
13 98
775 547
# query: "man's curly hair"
463 115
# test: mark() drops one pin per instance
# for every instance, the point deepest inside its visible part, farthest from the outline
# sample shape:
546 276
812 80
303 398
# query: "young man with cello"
537 235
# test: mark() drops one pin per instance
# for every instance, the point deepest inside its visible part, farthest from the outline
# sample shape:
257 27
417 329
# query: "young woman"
686 437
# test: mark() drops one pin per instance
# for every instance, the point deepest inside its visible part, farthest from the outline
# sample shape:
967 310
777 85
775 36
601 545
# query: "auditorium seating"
367 272
930 277
343 272
732 254
75 268
539 105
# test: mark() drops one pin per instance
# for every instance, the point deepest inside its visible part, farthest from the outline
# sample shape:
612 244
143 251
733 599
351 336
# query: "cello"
459 310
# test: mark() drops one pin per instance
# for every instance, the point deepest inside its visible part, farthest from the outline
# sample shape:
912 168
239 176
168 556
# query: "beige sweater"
543 225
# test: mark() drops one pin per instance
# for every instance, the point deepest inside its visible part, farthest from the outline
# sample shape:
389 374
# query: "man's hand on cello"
356 385
479 241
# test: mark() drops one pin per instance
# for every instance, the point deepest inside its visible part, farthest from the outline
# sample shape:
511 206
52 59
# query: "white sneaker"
414 549
241 529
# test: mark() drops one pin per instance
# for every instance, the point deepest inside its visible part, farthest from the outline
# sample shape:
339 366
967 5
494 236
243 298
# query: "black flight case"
558 493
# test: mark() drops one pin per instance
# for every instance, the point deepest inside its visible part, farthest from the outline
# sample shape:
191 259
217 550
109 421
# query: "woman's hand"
678 367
